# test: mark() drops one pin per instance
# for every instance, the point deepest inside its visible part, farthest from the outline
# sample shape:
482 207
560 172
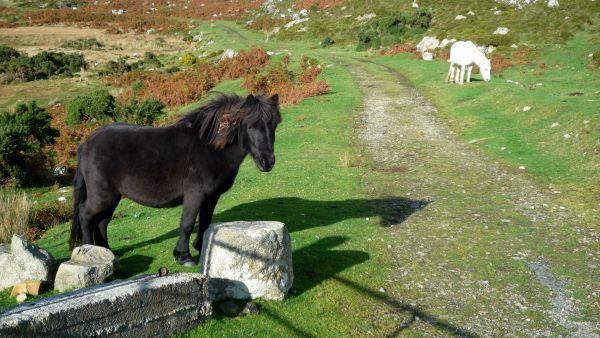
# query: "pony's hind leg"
450 76
469 69
100 232
92 212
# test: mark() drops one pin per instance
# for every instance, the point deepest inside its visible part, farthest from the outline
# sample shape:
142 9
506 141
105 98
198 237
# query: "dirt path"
486 256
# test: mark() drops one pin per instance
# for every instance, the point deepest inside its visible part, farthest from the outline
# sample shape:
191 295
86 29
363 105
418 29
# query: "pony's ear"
275 98
250 99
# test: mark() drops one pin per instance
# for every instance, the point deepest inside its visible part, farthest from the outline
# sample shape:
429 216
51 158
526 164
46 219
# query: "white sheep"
464 54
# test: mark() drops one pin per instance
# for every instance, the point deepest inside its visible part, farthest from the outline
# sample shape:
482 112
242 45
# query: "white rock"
552 3
501 31
428 43
89 265
227 54
526 108
295 22
247 260
151 31
62 199
554 125
415 4
446 42
498 12
23 261
460 17
514 46
471 13
427 56
567 136
366 17
21 298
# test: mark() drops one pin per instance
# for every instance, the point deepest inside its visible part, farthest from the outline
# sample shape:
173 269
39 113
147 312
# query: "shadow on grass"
299 214
133 265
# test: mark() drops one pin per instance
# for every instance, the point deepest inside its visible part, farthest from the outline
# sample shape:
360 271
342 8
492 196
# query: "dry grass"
15 212
319 4
401 48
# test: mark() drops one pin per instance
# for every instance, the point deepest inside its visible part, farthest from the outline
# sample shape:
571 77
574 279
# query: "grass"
15 212
556 140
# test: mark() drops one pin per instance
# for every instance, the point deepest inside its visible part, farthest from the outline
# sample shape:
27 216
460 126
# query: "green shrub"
390 29
188 59
596 59
22 136
97 105
327 42
151 59
19 67
83 44
120 66
143 113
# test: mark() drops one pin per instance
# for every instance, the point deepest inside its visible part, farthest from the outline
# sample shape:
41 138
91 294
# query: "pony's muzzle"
266 163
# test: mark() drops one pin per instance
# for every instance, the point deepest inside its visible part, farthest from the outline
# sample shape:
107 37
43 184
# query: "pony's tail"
79 196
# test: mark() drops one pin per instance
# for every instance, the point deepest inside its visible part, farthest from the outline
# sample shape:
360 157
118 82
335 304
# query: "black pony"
191 162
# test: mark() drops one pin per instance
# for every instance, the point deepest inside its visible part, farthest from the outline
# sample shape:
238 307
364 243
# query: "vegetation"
390 29
23 134
15 212
141 112
15 66
83 44
95 106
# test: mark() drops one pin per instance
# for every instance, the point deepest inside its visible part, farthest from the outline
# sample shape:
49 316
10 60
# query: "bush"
188 59
18 67
47 217
596 59
327 42
15 211
390 29
94 106
83 44
120 66
143 113
22 136
151 59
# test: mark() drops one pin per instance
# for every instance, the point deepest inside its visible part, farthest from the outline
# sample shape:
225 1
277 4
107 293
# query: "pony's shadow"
300 214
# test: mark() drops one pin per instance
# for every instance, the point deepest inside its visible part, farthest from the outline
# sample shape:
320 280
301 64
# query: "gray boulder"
428 43
247 260
89 265
22 262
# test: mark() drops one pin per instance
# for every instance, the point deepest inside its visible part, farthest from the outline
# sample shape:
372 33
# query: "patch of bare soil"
470 259
33 40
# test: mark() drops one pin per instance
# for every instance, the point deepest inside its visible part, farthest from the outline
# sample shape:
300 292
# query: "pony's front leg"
191 207
206 214
450 76
462 74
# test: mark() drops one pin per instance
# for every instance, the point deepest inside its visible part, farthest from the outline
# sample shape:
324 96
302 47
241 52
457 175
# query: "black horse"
191 162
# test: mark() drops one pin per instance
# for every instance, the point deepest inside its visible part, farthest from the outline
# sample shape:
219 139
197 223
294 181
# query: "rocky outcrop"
247 260
89 265
23 261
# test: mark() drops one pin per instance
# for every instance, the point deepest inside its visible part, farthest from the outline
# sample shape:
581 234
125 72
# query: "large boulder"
247 260
89 265
23 261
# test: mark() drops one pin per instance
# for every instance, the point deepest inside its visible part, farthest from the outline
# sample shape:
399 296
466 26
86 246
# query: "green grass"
491 114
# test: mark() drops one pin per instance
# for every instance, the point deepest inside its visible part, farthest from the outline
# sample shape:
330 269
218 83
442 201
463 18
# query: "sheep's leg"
462 74
469 69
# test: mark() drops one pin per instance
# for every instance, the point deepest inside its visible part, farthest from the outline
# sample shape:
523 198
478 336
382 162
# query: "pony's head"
249 122
258 127
486 69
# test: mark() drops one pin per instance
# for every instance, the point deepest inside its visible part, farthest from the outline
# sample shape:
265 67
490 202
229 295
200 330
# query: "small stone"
31 287
251 309
21 298
554 125
526 108
382 290
567 136
460 17
501 31
62 199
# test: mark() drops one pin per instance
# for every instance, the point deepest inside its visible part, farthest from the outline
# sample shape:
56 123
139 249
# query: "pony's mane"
219 121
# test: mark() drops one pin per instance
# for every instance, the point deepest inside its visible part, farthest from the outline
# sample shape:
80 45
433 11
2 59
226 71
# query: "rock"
89 265
31 287
552 3
247 260
526 108
415 4
427 56
427 43
24 261
471 13
227 54
446 42
497 12
144 306
460 17
21 298
366 17
251 309
501 31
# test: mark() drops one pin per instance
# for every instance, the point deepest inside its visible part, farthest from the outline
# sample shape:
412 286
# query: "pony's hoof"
188 264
